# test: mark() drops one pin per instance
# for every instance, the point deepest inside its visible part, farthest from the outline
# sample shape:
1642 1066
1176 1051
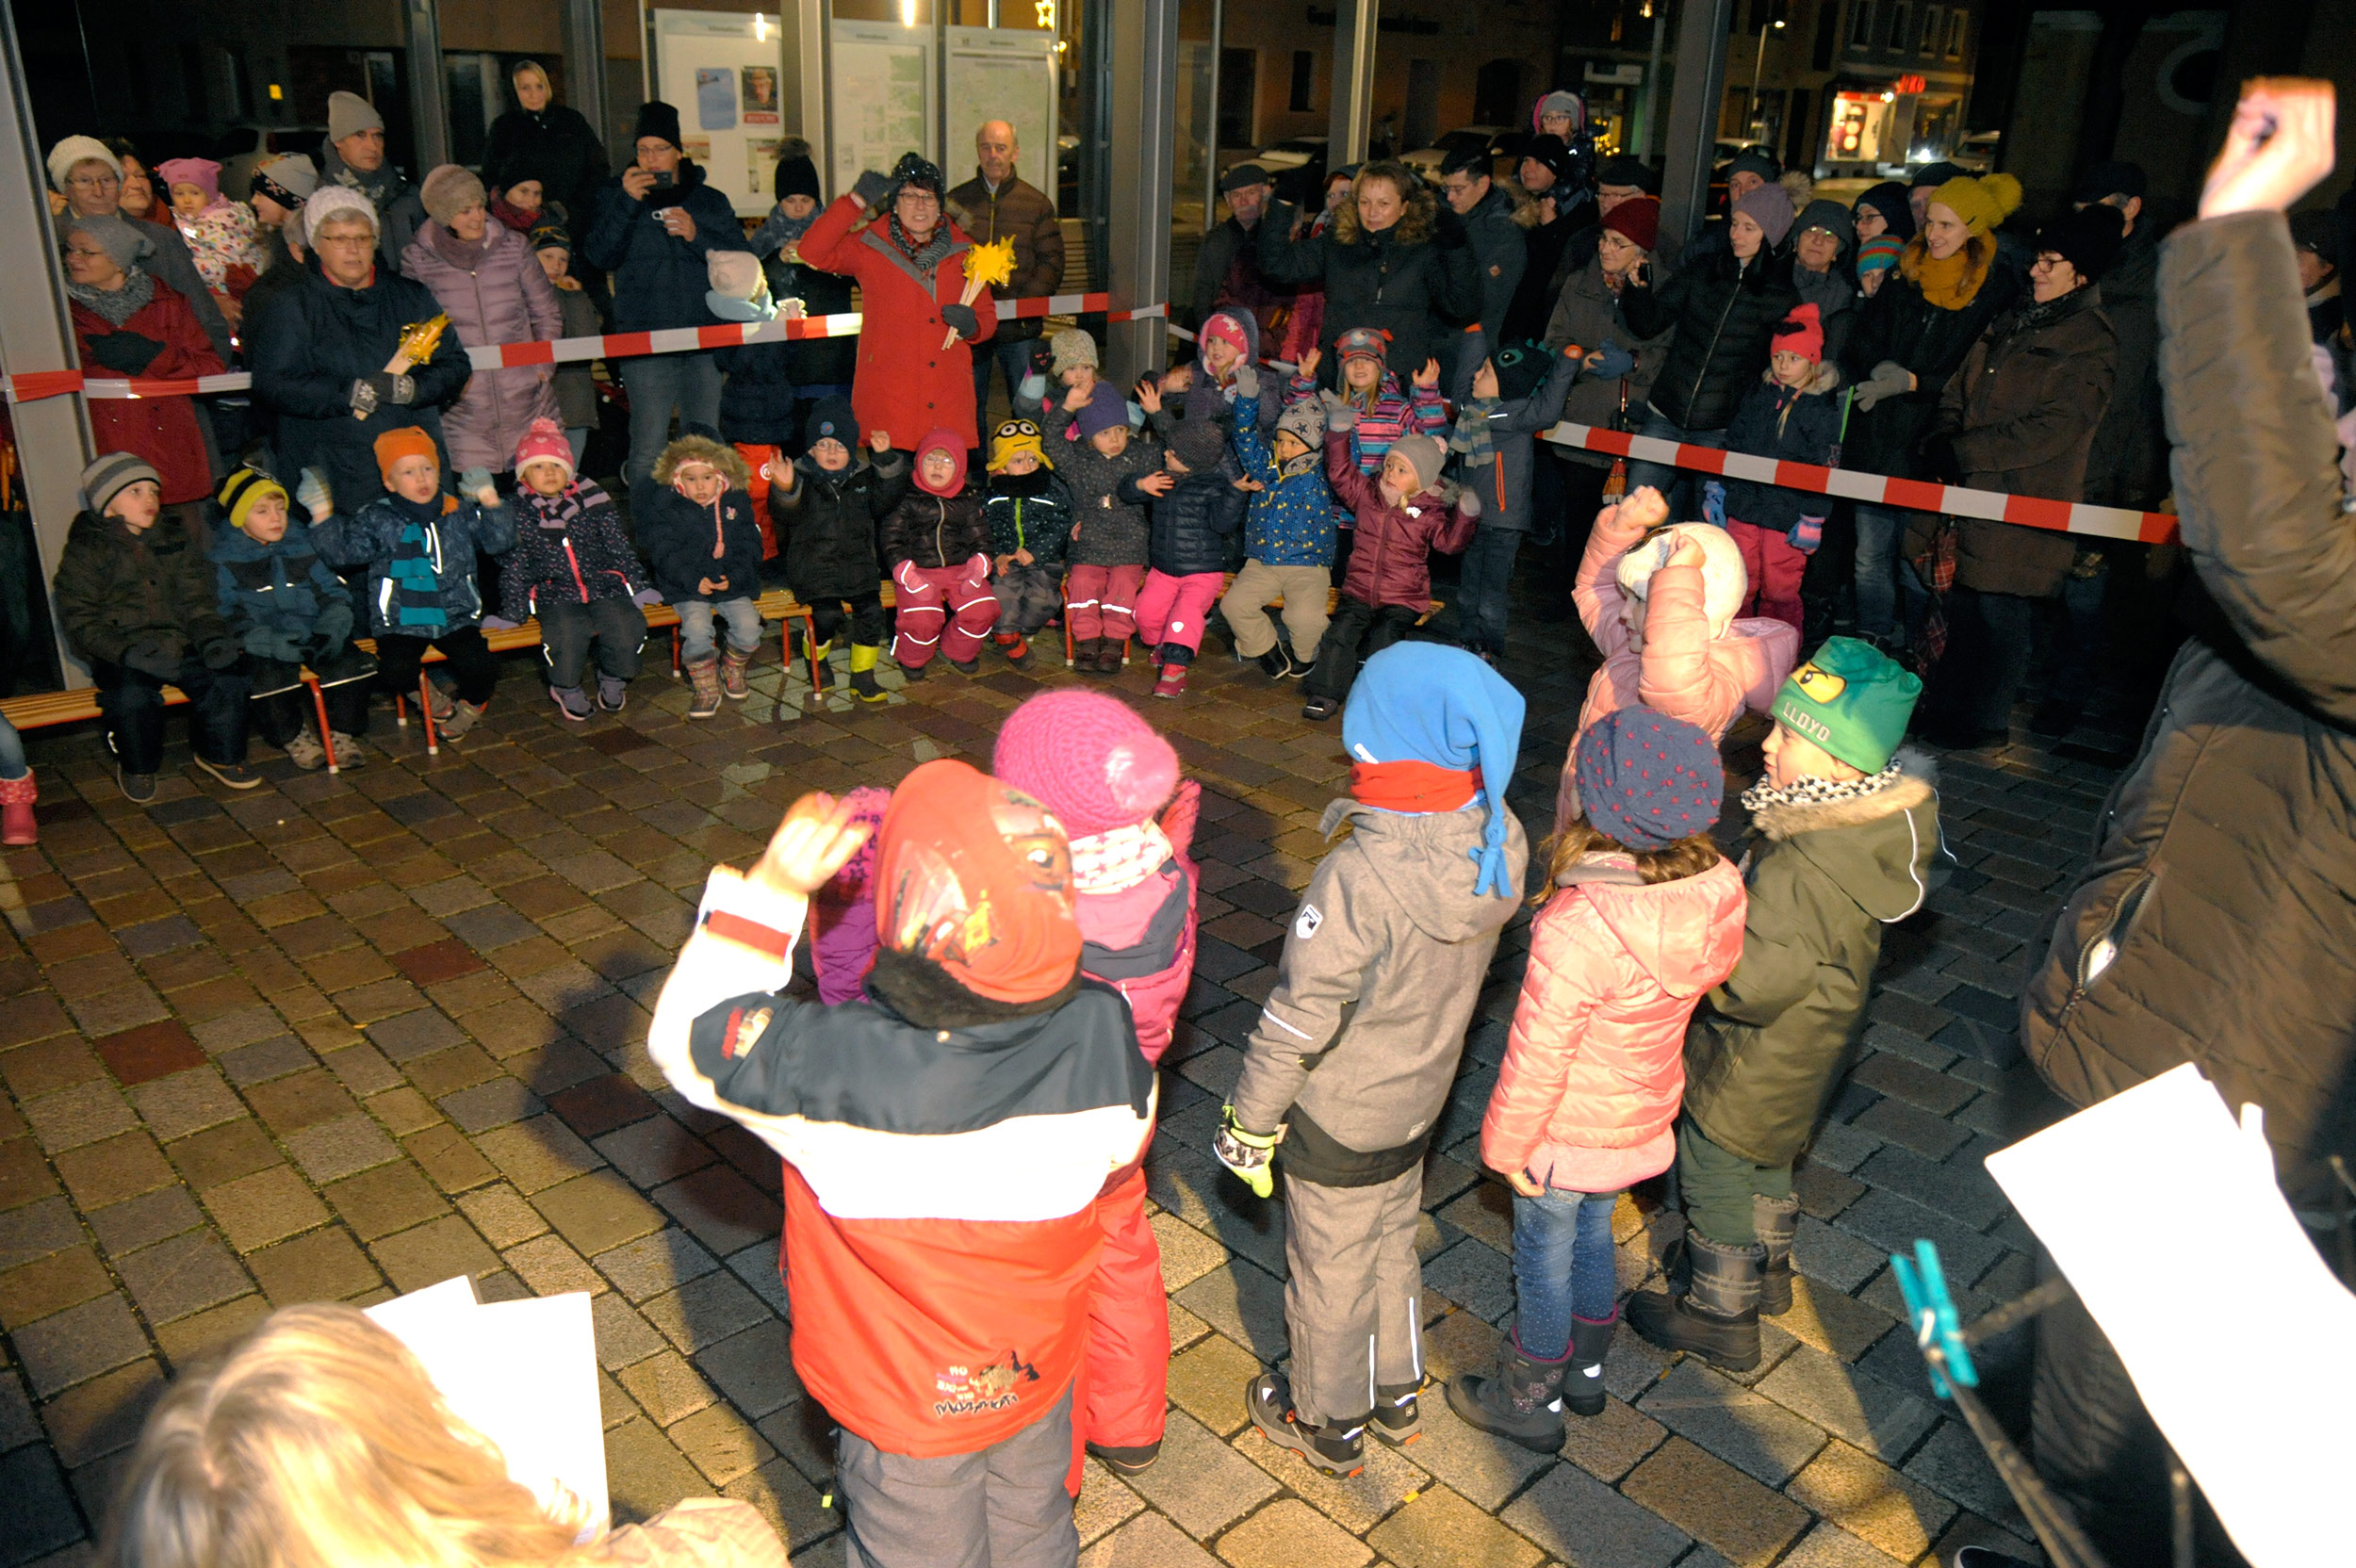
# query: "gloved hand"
400 390
1032 390
1615 362
961 320
333 623
1467 504
1889 379
871 189
125 352
904 575
1246 1154
1714 503
1247 382
363 397
220 653
647 597
285 646
1339 415
1806 534
1449 233
158 656
473 481
314 494
499 623
262 642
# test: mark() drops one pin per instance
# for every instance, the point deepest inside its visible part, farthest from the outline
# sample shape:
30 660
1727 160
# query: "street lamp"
1758 63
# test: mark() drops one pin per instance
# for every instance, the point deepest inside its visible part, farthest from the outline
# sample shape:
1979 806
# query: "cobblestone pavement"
340 1037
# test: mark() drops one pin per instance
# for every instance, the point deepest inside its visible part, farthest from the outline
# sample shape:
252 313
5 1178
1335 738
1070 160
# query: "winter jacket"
1290 522
162 430
570 548
1822 880
276 592
940 1185
1030 512
1139 939
1594 1066
1396 411
114 589
1021 212
1417 279
1227 273
2219 886
1358 1045
931 531
1724 311
503 297
659 279
398 209
315 342
1187 529
814 361
2018 417
1835 294
685 543
757 400
1533 297
378 537
1503 480
1682 670
829 520
1790 427
555 145
1897 324
907 382
1391 564
1497 229
1587 314
1106 529
2127 465
574 384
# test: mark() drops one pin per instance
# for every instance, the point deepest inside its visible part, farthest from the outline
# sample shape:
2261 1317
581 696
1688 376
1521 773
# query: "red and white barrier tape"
36 385
2103 522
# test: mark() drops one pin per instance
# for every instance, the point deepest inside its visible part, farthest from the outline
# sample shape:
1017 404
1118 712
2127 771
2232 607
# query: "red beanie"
1637 219
975 877
1088 758
1802 332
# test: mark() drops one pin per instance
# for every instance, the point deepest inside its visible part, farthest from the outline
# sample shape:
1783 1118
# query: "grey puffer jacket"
1381 969
503 297
1105 531
2214 924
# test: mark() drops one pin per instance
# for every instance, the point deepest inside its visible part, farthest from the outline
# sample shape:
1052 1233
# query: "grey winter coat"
1587 313
1360 1040
2214 924
1503 482
503 297
1106 530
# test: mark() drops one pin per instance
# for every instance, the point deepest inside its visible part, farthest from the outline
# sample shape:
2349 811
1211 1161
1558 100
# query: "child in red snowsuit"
1112 781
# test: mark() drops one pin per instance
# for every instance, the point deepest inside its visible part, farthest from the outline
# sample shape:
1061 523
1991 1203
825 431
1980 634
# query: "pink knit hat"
1088 758
545 443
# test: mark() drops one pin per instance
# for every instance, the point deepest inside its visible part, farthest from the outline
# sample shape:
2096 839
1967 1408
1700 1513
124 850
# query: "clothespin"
1938 1332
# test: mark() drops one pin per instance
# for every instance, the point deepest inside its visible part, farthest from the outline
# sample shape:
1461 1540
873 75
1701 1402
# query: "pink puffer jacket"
1140 941
1682 669
504 297
1596 1066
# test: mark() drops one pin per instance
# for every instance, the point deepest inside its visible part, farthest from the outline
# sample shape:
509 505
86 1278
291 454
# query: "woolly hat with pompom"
1088 758
545 443
1983 202
1723 580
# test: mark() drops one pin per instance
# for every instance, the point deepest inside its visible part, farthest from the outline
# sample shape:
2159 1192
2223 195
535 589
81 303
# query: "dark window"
1304 78
1900 35
193 84
1932 17
1827 37
1497 94
1861 25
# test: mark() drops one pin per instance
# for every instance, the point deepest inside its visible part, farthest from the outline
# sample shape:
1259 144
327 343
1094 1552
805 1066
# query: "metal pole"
584 61
1759 64
1651 125
53 440
1144 60
1352 114
1701 76
813 56
429 116
1210 159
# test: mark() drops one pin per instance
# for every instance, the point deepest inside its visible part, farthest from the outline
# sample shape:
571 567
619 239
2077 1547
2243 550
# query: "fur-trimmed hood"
1883 849
702 449
1917 781
1415 225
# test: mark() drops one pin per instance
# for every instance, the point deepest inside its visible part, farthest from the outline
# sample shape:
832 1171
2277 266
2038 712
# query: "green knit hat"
1853 700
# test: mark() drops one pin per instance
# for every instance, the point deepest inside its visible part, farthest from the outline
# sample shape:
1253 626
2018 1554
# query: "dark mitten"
154 655
125 352
872 189
961 320
222 652
285 647
332 622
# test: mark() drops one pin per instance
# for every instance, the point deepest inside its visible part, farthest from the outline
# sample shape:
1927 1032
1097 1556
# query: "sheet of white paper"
522 1373
2165 1217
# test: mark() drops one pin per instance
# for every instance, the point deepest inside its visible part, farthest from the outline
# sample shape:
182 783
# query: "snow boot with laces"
1519 1402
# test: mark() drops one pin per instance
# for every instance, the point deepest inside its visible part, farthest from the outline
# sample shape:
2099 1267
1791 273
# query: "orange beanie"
408 441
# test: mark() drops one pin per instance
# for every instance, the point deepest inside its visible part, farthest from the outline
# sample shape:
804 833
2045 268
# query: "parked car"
1298 167
1501 142
1976 153
242 148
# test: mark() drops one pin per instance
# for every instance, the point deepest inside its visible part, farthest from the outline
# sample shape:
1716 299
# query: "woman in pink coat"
486 278
1644 916
1113 782
1660 602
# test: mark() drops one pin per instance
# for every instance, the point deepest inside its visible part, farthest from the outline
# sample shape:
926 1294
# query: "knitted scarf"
1951 284
116 305
464 255
926 257
1819 792
1471 436
416 568
557 513
1119 859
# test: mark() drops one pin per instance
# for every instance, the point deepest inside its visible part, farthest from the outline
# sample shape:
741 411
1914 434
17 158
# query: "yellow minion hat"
241 490
1017 436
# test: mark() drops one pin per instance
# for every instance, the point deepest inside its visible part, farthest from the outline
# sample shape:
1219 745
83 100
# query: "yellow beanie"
1982 204
1016 436
241 490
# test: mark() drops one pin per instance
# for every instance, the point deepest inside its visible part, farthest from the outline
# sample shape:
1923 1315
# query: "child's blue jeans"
1563 1267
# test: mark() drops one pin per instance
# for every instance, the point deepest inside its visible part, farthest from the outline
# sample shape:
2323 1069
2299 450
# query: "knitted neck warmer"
1119 859
1951 284
464 255
1819 792
926 257
116 305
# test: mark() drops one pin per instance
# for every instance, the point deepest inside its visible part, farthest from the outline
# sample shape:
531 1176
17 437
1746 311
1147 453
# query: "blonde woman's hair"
1576 839
319 1442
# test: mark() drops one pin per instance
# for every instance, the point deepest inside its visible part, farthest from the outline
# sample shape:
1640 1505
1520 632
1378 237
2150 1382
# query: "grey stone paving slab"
1745 1429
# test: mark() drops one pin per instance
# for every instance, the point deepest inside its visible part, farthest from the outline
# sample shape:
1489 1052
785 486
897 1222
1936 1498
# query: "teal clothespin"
1932 1312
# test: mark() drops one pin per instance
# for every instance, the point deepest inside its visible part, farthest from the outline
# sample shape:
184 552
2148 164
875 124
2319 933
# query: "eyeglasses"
90 182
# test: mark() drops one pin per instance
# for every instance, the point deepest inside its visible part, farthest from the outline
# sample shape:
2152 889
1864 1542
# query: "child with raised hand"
1090 441
1846 841
695 524
842 937
136 600
1346 1074
573 569
1402 515
1502 401
1192 506
1789 415
1640 915
937 543
419 544
1660 600
1382 410
1288 533
287 611
826 505
1114 784
1030 528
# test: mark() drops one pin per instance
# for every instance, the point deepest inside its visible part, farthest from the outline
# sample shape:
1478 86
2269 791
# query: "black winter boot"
1582 1384
1519 1403
1338 1448
1775 1219
1717 1318
1396 1419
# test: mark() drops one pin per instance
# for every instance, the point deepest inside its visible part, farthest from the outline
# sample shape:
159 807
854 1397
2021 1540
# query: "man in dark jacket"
655 223
354 158
1494 224
2213 924
1227 269
998 204
1545 173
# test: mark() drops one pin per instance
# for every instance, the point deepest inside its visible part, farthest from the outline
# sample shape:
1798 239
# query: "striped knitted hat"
114 472
241 490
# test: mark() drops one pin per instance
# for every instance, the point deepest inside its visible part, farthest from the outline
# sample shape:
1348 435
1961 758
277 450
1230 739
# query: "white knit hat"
336 201
80 148
1724 582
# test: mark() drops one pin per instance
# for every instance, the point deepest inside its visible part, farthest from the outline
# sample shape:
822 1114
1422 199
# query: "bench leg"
327 736
425 712
400 710
675 653
810 641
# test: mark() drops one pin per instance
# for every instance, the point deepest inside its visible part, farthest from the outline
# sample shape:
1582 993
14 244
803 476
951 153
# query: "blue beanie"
1105 408
1646 780
1426 702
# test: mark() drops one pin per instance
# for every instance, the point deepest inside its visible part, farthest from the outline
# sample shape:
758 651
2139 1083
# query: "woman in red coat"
911 267
127 322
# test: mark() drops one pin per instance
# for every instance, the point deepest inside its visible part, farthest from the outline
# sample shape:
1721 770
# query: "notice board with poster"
1004 74
881 83
725 72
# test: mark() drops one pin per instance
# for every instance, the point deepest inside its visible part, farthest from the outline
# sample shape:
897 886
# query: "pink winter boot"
16 811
